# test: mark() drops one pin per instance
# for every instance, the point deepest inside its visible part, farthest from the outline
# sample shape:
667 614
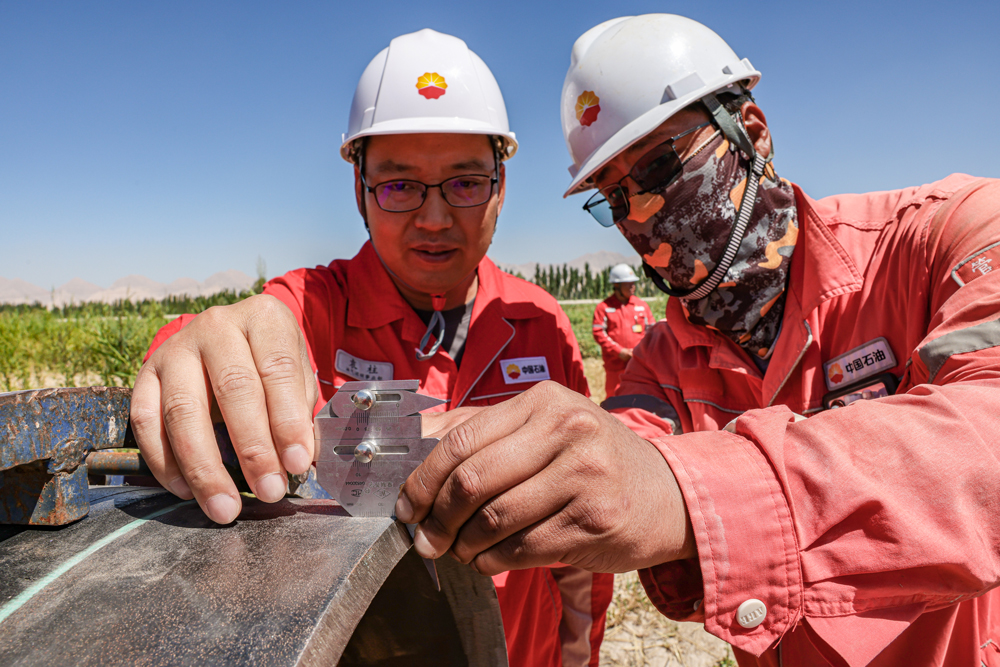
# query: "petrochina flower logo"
513 371
836 373
588 105
431 85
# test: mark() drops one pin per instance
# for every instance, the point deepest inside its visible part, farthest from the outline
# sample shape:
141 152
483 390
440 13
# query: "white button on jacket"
751 613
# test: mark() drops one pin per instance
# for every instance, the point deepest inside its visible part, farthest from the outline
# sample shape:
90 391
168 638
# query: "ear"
756 124
502 186
359 195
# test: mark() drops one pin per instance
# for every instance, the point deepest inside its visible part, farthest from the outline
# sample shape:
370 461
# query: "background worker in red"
619 323
427 134
800 532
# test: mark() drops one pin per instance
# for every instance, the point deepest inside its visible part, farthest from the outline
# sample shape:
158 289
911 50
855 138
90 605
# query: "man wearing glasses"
805 456
428 135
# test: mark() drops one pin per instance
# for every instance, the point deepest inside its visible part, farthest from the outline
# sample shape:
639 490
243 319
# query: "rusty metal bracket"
51 440
45 436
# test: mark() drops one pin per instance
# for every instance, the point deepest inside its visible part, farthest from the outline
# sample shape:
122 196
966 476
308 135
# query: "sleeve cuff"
743 529
676 589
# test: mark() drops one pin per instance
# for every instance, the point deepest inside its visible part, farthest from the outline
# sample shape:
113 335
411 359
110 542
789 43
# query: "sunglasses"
657 168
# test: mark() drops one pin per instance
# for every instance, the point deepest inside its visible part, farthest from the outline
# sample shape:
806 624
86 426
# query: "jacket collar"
375 301
825 270
821 269
616 302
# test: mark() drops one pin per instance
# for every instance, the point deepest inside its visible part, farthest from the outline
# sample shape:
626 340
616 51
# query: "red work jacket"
870 533
619 326
358 327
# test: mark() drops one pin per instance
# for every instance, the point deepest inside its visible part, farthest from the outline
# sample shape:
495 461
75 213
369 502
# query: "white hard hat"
629 75
427 82
622 273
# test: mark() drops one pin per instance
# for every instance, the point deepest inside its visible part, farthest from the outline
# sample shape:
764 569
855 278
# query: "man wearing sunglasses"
427 135
810 464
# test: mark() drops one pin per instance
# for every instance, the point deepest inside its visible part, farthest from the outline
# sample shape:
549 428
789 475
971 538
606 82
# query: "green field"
86 344
104 344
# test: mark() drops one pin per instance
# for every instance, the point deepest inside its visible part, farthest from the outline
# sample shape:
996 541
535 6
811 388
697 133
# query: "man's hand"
544 477
249 361
625 354
437 424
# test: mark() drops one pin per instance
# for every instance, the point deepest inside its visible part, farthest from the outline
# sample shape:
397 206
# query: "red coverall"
619 326
358 327
870 532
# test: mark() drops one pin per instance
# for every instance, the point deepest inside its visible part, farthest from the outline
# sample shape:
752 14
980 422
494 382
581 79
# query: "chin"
433 282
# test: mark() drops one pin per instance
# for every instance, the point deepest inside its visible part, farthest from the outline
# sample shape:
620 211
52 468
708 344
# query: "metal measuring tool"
369 440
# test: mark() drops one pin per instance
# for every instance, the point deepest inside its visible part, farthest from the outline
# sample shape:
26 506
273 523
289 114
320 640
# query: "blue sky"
184 138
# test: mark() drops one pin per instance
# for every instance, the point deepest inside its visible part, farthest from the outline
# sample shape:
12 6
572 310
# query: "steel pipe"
147 579
116 462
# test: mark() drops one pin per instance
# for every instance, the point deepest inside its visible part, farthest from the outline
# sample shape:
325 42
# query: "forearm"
871 508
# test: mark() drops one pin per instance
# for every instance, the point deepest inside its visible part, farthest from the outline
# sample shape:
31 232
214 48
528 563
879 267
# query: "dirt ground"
637 635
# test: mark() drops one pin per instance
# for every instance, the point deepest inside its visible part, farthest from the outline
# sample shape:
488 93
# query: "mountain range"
137 288
134 288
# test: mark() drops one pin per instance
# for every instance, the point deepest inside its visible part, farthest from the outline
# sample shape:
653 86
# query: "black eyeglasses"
658 168
403 195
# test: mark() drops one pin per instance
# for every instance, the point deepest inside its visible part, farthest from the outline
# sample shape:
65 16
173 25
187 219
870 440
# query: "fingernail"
222 508
179 488
422 545
296 459
404 510
271 488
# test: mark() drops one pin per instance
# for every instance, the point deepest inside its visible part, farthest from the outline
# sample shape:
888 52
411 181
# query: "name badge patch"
872 358
360 369
637 328
524 369
976 266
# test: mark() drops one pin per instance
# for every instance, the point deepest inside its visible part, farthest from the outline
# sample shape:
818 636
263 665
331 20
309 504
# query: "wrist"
668 535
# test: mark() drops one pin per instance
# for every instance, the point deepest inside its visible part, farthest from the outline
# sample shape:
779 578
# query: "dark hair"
733 103
357 150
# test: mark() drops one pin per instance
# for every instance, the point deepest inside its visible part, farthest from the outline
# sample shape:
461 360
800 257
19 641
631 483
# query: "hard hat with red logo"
427 81
630 74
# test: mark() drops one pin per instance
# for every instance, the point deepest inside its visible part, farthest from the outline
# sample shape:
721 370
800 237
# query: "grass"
40 348
105 343
90 343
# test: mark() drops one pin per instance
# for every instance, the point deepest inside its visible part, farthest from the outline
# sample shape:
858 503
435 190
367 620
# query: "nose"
435 214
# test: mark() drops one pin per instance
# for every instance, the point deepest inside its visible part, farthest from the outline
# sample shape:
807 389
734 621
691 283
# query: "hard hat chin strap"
738 135
734 131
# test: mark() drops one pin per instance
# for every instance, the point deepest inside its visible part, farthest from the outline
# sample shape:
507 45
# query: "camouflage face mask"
681 231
